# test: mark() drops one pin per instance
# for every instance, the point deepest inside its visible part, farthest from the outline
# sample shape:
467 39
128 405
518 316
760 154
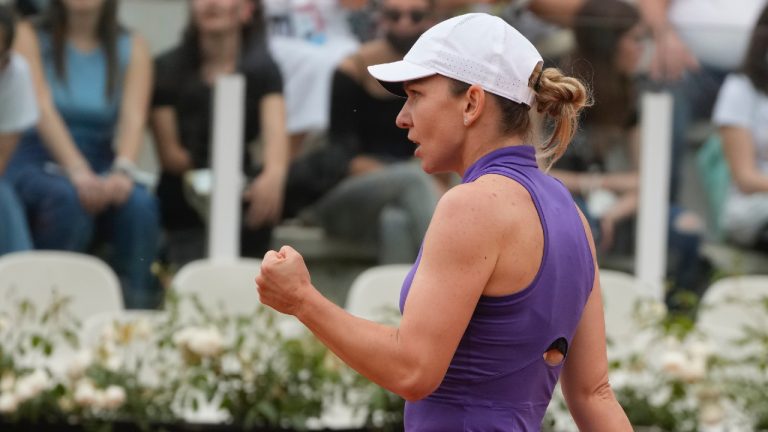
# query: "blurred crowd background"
106 111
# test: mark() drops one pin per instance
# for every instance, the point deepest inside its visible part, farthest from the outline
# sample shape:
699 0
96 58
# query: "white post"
227 163
653 211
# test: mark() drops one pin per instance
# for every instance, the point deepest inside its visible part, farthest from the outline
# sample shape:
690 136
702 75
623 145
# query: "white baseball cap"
474 48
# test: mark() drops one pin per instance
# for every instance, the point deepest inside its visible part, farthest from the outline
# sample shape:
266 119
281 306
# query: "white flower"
85 393
8 403
695 370
108 334
142 328
205 342
7 382
79 364
29 386
673 362
114 397
113 362
3 324
182 337
700 349
711 414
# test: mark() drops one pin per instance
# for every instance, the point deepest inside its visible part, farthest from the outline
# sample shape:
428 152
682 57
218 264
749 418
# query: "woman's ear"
474 103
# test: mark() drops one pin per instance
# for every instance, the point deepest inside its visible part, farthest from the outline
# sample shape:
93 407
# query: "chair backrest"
227 285
375 293
730 305
88 281
623 297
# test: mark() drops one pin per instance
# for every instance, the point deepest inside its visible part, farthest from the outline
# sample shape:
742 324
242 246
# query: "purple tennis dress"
498 379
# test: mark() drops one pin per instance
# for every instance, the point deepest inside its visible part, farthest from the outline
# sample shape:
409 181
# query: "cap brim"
393 75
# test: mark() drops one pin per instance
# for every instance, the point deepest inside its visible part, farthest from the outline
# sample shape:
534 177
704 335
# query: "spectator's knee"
689 223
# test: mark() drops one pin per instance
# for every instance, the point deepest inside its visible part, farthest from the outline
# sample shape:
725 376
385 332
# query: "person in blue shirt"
75 171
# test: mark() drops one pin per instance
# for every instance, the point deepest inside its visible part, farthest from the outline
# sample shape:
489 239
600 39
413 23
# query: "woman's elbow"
599 392
417 385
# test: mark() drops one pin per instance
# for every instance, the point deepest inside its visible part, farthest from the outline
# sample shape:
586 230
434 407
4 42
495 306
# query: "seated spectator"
307 39
741 113
74 172
696 44
601 166
223 37
383 198
18 112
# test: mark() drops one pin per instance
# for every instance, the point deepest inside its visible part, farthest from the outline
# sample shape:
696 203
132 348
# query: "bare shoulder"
487 203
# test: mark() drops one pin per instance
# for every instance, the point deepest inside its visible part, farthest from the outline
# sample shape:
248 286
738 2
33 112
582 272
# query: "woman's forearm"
376 351
59 142
275 135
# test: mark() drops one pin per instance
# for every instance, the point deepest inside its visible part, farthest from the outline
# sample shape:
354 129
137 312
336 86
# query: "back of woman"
498 373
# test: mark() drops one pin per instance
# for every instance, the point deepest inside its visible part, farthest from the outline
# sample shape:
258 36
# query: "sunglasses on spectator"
394 15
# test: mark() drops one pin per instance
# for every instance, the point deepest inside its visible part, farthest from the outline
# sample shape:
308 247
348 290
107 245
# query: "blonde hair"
560 98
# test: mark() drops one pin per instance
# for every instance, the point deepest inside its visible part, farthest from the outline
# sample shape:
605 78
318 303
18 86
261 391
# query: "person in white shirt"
696 44
18 111
741 114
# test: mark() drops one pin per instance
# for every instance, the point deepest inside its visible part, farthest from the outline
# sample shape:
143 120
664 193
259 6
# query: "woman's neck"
220 53
82 29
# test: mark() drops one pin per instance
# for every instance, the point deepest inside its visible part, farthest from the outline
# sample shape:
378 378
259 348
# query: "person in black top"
222 38
383 199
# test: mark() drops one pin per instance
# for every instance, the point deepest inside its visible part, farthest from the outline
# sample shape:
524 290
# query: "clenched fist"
284 282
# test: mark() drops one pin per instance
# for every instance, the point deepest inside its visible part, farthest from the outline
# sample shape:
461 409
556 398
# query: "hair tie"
537 84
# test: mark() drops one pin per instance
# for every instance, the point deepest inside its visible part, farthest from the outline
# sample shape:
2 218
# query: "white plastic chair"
88 281
375 293
730 305
227 285
624 296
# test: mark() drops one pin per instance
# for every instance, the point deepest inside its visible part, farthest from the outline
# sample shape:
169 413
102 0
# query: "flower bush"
159 369
259 370
673 377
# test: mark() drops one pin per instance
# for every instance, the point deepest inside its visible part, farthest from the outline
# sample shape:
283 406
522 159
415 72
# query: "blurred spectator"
383 198
307 39
741 112
223 37
697 43
30 7
601 166
74 172
18 112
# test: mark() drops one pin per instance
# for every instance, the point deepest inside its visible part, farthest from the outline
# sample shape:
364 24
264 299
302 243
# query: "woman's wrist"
124 166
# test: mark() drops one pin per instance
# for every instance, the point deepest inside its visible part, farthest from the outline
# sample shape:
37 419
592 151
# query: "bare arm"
671 57
53 130
173 157
135 102
132 120
410 360
585 374
265 193
739 150
582 182
7 146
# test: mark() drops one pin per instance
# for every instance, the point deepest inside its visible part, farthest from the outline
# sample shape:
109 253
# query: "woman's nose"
403 119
